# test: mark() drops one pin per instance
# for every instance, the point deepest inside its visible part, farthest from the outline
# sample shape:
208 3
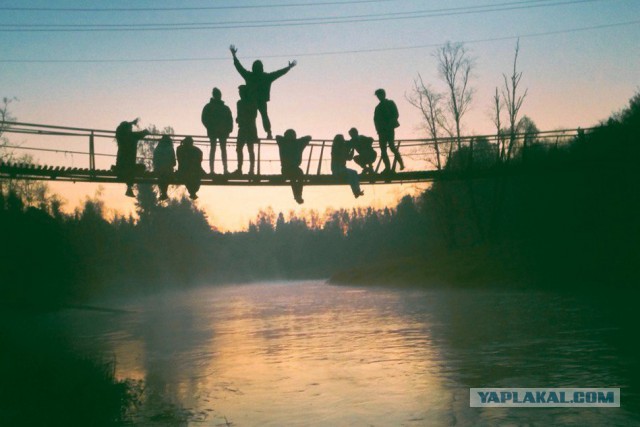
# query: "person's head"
257 67
124 129
381 94
125 126
353 132
187 141
165 139
216 93
242 91
290 134
338 139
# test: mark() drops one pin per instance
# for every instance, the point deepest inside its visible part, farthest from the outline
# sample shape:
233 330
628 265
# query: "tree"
5 118
498 105
455 67
31 193
512 100
429 102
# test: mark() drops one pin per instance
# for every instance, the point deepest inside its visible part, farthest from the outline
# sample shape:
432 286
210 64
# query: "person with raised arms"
259 85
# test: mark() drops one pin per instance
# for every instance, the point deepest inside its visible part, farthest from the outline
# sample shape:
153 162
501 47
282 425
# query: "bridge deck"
57 173
421 156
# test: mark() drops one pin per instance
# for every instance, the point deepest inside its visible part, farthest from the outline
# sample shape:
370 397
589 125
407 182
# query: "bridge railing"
96 149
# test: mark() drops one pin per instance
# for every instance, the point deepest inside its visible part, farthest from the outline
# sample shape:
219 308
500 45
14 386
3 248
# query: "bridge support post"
92 156
320 161
259 158
309 161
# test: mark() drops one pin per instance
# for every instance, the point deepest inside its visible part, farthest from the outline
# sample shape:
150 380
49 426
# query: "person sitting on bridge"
340 153
190 166
385 118
259 85
291 148
164 160
363 145
247 111
216 117
127 140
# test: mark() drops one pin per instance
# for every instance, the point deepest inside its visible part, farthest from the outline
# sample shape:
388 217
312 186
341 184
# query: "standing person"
127 141
291 148
164 160
385 118
190 166
216 117
340 153
259 85
247 132
363 145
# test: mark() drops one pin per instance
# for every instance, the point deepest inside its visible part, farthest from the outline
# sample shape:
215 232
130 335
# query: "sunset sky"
94 64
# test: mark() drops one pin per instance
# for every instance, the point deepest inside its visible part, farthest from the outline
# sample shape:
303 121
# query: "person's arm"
141 134
281 72
203 116
304 141
243 71
229 120
394 110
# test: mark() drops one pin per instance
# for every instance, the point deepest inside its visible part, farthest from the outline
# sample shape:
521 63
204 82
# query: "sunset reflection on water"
311 354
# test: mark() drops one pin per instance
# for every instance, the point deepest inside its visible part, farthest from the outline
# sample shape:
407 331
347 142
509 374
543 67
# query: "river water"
312 354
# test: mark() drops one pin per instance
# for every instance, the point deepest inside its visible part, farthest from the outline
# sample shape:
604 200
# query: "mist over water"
307 353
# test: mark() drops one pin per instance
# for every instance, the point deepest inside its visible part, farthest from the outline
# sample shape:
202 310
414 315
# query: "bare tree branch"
512 100
455 67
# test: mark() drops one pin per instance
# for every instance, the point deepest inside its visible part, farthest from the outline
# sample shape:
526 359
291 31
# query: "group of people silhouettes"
217 118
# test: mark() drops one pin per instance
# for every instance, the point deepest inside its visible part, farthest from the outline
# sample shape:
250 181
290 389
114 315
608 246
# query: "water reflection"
312 354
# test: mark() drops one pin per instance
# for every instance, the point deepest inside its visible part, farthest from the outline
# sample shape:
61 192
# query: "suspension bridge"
87 155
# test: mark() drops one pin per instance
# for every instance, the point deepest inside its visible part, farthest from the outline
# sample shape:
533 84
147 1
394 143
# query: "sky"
580 61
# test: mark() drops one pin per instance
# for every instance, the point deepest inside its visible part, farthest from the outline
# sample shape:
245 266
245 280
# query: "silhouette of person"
363 145
340 153
216 117
291 148
164 160
127 141
259 85
190 166
385 118
247 112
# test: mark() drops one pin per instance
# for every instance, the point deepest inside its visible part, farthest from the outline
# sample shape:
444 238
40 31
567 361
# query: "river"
312 354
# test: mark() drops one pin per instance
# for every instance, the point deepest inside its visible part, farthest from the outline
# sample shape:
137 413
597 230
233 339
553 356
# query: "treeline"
49 257
552 216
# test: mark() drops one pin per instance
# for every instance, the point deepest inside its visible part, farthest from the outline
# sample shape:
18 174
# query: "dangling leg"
297 185
129 175
354 182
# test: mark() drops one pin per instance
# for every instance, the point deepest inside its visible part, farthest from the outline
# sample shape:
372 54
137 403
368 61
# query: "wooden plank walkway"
57 173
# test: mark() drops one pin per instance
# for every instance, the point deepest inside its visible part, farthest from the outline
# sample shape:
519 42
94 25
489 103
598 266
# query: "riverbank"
487 267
